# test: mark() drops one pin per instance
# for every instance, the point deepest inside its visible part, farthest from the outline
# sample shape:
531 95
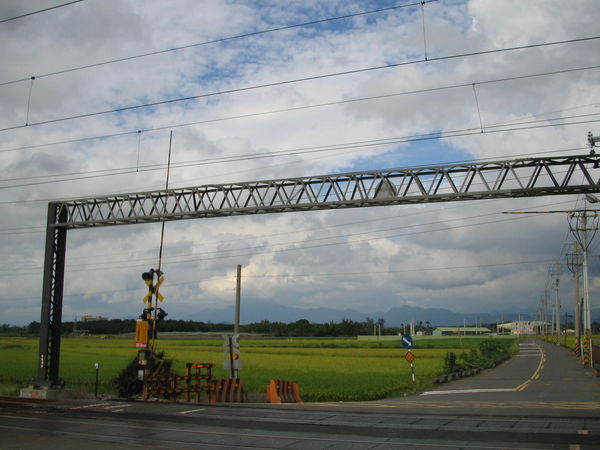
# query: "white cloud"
104 265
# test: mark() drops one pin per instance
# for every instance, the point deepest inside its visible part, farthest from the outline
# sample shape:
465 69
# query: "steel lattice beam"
473 181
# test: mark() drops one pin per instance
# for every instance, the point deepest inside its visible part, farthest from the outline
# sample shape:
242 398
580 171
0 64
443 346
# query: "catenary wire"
297 80
333 274
31 14
45 200
171 258
358 144
129 264
216 41
300 108
341 236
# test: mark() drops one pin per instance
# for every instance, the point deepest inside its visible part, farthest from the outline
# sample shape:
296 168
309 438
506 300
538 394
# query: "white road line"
88 406
117 406
468 391
191 411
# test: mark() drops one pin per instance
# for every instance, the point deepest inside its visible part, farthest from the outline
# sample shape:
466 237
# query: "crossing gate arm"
525 177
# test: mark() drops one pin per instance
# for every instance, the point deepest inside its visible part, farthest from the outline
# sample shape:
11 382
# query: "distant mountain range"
252 312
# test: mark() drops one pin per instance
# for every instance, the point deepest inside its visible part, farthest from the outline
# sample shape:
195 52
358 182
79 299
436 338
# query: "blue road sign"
407 341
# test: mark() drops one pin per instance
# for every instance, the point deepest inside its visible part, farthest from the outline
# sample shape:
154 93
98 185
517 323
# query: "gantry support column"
52 299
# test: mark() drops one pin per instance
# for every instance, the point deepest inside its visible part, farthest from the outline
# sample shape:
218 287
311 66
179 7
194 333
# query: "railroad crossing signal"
148 278
147 325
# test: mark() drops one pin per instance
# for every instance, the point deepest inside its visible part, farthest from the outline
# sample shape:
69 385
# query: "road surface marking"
191 411
88 406
118 406
536 374
468 391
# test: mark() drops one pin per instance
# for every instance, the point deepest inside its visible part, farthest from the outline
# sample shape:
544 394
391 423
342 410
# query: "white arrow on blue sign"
407 341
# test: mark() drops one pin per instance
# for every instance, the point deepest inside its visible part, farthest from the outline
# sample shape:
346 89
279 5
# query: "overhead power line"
265 249
300 108
4 204
296 80
306 275
274 247
214 41
475 131
31 14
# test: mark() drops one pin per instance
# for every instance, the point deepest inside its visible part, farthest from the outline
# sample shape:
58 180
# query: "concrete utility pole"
582 223
555 274
238 289
574 265
546 321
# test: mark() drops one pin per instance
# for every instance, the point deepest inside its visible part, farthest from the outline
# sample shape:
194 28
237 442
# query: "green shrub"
489 353
449 362
127 382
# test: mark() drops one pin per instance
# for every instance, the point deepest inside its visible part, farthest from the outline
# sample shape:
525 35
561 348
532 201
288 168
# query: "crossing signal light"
161 314
146 313
148 276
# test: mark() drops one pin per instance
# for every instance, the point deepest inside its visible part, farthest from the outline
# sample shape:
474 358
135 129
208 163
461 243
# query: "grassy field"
326 369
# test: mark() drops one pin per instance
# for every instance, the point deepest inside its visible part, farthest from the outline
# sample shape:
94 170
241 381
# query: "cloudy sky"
270 77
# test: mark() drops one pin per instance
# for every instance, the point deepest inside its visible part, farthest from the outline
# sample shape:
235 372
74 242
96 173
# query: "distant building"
458 331
89 318
521 327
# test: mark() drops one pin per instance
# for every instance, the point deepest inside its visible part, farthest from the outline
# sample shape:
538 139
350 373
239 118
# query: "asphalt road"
542 398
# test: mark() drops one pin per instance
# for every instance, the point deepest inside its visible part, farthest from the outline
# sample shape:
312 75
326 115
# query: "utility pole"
546 322
555 274
582 223
238 289
581 227
574 265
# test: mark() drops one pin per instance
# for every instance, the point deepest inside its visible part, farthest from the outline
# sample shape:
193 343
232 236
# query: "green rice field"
326 369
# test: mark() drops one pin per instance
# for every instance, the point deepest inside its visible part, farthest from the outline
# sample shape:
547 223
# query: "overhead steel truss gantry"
470 181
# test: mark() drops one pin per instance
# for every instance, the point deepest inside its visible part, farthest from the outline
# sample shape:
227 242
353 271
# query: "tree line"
299 328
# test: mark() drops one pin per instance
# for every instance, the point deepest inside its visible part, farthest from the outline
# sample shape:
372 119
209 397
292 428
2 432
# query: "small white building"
89 318
521 327
457 331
